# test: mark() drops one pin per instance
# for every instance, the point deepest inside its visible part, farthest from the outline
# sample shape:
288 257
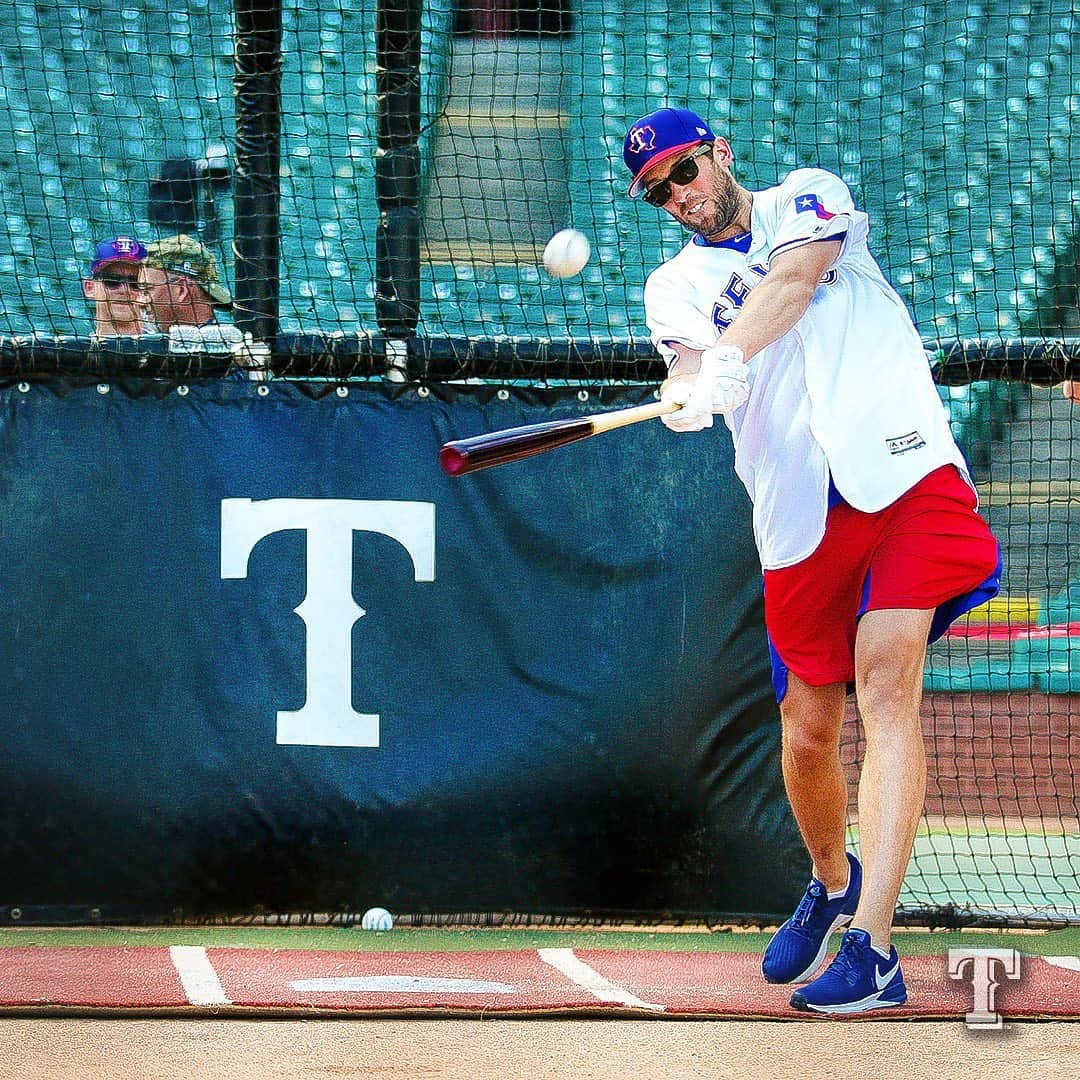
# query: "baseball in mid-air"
566 253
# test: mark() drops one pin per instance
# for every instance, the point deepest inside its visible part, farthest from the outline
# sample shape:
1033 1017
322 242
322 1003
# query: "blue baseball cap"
658 136
122 249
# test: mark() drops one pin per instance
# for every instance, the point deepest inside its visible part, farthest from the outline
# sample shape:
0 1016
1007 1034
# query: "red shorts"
928 550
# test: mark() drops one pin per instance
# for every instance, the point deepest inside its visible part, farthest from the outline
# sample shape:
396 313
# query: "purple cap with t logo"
122 249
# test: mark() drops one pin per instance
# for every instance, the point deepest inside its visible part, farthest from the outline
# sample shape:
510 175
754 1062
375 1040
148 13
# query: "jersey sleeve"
816 205
672 316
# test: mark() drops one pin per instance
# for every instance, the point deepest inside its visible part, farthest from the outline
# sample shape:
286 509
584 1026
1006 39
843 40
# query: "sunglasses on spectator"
684 172
113 282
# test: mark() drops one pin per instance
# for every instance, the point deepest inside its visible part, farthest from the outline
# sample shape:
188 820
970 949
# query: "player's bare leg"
812 718
890 651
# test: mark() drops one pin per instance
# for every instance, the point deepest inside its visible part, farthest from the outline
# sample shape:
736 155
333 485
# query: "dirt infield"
534 1049
605 1029
244 983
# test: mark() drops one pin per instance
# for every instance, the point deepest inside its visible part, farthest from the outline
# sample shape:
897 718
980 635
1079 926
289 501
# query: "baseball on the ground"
377 918
566 253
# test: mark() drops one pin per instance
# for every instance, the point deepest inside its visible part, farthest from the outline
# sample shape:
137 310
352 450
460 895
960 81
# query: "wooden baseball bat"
498 447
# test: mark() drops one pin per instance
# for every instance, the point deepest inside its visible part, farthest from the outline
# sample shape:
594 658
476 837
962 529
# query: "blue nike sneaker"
858 980
798 948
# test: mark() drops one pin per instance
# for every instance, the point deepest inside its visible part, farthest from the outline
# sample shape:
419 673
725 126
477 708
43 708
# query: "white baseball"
566 253
377 918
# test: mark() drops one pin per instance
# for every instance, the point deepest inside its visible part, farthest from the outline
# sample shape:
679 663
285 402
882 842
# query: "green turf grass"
909 943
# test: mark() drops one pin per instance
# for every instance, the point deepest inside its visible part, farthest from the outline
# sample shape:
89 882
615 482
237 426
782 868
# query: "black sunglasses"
117 281
684 172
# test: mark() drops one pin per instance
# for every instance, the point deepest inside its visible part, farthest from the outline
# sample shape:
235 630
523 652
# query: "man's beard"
725 198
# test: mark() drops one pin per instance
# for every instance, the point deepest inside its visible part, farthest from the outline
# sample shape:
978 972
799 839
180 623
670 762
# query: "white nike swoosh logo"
883 980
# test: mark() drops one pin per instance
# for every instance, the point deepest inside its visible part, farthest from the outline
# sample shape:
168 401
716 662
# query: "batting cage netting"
378 181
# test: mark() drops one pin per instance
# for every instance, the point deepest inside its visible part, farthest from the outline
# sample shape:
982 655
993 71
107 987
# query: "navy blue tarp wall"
256 650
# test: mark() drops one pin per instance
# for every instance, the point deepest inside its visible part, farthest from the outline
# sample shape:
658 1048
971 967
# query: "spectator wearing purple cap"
113 287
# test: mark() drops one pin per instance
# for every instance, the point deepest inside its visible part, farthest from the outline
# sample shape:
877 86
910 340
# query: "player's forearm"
769 312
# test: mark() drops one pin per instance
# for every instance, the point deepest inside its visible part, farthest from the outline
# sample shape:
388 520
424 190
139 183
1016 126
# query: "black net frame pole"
397 167
257 230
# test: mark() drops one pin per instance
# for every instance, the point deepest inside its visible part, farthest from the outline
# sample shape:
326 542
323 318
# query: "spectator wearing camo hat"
181 284
182 292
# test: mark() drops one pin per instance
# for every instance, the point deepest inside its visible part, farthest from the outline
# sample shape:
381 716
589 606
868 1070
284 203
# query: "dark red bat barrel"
481 451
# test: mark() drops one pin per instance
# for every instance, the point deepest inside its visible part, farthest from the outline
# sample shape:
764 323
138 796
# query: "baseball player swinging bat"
498 447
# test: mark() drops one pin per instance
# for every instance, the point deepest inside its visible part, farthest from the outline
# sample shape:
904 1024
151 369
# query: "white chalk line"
197 975
1070 963
579 973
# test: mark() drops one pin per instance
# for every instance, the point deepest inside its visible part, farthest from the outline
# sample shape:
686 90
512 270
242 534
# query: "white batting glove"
722 385
723 368
678 393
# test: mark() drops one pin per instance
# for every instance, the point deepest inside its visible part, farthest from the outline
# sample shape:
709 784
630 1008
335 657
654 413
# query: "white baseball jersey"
847 392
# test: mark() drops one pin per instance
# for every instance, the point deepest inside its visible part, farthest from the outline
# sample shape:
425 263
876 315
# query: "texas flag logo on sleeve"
812 202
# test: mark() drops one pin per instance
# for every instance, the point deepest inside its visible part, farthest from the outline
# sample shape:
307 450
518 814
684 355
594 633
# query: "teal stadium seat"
952 122
977 413
1052 655
973 658
92 99
1062 607
328 212
980 675
932 136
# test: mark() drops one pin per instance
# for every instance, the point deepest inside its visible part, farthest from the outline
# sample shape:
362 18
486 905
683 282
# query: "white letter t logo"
328 610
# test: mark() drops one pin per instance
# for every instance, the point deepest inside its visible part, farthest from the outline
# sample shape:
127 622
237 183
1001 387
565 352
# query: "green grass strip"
909 943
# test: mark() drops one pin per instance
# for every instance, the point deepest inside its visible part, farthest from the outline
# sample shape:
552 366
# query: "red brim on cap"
101 264
636 187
